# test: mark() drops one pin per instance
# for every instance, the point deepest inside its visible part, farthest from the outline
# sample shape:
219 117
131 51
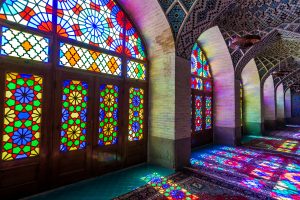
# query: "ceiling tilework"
200 19
165 4
176 16
187 3
276 21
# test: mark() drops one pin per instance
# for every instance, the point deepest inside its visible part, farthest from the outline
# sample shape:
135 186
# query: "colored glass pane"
33 13
207 86
108 115
24 45
134 44
22 116
99 23
205 72
195 59
198 113
136 70
208 111
81 58
200 66
74 115
136 114
196 83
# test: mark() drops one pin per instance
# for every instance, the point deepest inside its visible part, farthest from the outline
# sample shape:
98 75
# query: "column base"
169 153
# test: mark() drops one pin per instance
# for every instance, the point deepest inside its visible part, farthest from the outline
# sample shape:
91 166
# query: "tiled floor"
105 187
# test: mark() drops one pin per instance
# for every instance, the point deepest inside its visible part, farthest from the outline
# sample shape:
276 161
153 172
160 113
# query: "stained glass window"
98 23
22 116
201 85
108 115
136 70
205 72
196 60
33 13
196 83
81 58
208 112
198 113
134 45
74 115
207 86
136 114
200 65
24 45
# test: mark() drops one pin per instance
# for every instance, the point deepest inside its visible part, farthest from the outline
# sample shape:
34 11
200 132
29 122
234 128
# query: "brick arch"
150 19
252 114
224 93
242 61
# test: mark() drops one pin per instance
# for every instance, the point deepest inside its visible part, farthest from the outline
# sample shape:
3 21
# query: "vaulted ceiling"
276 21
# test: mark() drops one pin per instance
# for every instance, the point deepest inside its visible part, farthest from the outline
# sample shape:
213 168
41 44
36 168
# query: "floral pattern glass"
108 115
198 113
208 112
22 116
136 114
74 115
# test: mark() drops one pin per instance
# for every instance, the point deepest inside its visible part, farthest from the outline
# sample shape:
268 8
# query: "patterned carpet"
280 145
185 185
289 134
269 175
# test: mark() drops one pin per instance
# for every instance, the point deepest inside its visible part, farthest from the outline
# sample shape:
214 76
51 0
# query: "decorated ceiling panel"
277 22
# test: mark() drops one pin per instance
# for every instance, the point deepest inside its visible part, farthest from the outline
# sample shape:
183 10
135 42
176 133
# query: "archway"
226 129
280 106
252 100
78 64
269 104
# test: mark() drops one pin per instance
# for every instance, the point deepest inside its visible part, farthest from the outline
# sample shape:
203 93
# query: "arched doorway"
73 95
202 98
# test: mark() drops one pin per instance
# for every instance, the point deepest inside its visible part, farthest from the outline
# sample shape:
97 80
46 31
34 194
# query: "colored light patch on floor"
168 188
105 187
275 144
273 175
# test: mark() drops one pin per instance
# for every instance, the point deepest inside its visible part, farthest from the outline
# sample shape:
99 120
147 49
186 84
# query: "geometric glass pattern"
34 13
196 68
22 116
136 114
136 70
81 58
98 23
207 86
205 72
168 187
198 113
74 115
199 65
196 83
134 46
24 45
208 112
108 115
